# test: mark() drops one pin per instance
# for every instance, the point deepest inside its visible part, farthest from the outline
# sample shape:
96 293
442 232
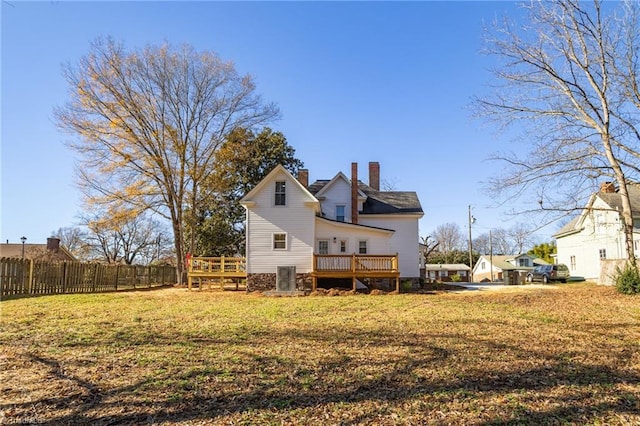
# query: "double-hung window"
340 213
280 241
362 247
281 193
323 246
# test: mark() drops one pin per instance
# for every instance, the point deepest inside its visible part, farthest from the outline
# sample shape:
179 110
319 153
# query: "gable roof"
377 202
612 199
34 250
502 261
248 198
327 184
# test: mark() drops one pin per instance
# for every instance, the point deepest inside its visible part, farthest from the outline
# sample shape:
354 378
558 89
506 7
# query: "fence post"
135 275
30 276
64 277
117 277
95 278
149 277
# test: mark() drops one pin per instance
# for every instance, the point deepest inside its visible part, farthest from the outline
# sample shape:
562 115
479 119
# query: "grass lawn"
565 354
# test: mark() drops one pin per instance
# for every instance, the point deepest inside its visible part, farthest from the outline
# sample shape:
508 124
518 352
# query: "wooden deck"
355 266
221 269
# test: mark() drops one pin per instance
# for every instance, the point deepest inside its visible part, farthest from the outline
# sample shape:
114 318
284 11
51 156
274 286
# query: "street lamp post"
24 240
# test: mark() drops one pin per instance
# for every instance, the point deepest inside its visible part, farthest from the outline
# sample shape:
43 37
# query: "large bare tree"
569 75
148 123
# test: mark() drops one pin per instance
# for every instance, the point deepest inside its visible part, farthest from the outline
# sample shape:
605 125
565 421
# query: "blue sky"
355 82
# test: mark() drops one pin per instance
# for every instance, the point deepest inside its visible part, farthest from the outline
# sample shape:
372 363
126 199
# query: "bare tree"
124 239
570 75
74 239
429 245
149 122
449 237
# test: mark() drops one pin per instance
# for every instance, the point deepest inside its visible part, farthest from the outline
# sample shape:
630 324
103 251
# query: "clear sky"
355 81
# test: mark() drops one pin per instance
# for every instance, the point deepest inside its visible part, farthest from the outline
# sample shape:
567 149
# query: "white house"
293 223
597 233
511 268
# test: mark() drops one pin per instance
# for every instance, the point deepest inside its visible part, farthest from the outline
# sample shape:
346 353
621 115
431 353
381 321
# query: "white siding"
339 193
377 242
404 241
295 219
602 230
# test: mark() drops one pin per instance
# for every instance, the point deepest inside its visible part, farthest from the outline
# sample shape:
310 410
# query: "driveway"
494 287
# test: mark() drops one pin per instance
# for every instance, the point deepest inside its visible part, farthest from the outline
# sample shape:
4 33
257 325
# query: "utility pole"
471 220
491 253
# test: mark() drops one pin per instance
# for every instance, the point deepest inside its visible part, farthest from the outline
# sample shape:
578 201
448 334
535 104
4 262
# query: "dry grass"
561 355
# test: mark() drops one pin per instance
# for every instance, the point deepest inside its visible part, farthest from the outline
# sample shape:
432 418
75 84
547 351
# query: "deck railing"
219 268
355 266
355 263
217 265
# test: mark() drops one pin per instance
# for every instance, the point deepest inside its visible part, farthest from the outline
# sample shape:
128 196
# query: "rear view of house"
335 228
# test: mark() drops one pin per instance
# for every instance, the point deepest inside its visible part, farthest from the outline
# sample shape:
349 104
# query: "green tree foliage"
544 251
628 279
148 123
242 161
453 256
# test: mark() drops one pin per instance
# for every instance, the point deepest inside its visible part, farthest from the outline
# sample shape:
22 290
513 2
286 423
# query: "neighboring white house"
510 269
288 221
597 233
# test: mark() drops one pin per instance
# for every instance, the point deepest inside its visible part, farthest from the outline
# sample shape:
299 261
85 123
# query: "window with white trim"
343 246
281 193
323 246
280 241
572 262
603 253
444 273
362 247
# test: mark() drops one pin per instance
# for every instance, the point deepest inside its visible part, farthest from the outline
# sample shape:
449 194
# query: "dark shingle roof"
380 202
615 200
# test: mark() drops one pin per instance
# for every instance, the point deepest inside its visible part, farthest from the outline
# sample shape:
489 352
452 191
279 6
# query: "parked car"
549 273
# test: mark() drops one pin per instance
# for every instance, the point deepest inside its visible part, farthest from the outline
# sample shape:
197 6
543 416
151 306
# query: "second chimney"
374 175
53 244
607 187
354 192
303 177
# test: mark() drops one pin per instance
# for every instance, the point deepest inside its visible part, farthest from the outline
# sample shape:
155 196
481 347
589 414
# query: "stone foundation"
267 282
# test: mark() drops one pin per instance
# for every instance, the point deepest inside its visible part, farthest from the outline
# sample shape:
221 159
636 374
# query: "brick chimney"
53 244
354 192
303 177
607 187
374 175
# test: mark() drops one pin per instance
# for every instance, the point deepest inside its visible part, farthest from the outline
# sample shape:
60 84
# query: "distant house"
52 250
445 271
338 228
597 233
509 269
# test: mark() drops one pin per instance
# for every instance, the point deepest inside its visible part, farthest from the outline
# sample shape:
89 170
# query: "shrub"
628 280
456 278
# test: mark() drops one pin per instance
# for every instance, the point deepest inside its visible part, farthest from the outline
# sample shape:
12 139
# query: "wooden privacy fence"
32 277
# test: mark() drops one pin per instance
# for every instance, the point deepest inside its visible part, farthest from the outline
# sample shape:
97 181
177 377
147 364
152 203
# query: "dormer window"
281 193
